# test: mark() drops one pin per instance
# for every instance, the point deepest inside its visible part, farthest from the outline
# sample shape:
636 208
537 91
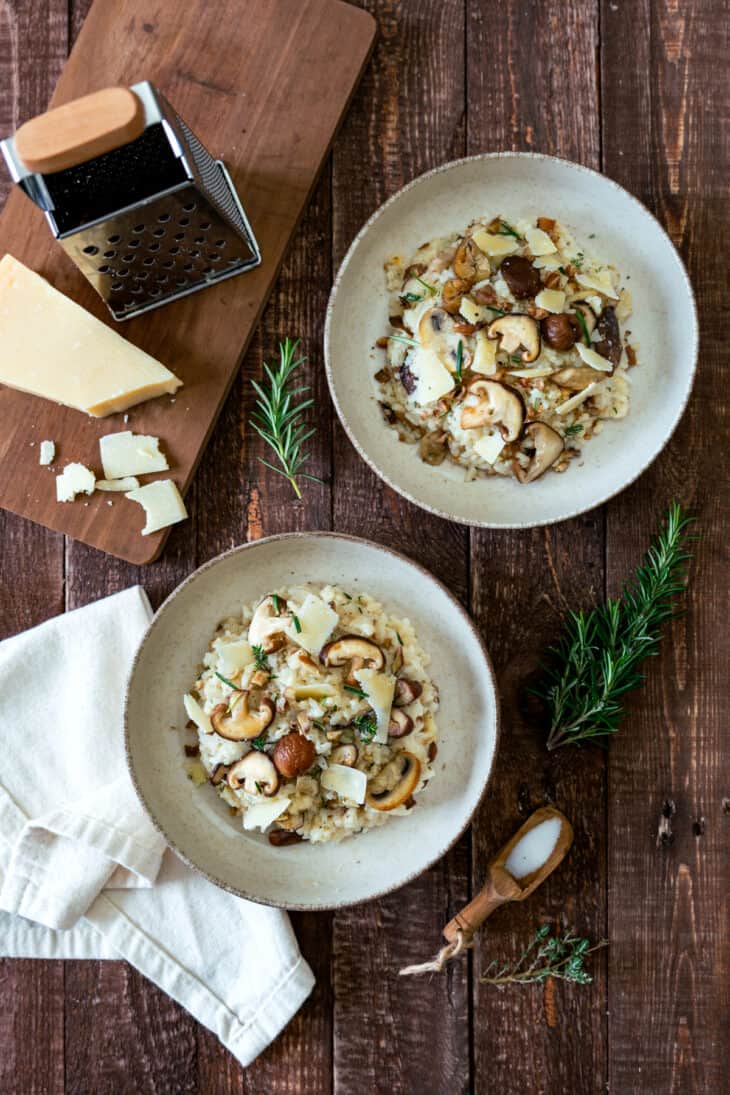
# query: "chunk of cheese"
233 657
489 447
494 245
51 347
594 360
380 689
601 282
317 621
433 379
552 300
74 479
475 313
539 242
348 783
576 400
129 482
196 714
126 453
263 814
485 354
162 504
47 452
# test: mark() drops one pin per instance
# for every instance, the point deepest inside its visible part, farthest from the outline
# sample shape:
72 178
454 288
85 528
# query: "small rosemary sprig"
598 658
546 955
279 421
261 660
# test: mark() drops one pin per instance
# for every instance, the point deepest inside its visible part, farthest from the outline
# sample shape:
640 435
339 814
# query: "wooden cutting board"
264 86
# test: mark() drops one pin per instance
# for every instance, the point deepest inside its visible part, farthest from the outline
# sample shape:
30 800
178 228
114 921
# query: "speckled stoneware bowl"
663 328
198 825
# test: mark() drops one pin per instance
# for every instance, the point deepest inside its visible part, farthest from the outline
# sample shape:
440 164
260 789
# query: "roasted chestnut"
560 332
521 277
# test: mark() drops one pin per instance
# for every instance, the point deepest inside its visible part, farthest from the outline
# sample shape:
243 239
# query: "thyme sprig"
278 419
546 955
598 657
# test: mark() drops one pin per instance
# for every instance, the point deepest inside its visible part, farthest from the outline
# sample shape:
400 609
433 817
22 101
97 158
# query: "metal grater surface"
151 221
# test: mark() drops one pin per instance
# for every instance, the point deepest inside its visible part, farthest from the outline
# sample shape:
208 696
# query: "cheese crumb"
126 453
47 452
74 479
162 504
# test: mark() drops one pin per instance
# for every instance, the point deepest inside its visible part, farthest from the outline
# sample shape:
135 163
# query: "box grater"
148 221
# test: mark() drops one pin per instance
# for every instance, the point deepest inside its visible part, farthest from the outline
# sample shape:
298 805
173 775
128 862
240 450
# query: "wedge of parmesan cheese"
47 452
162 504
196 714
233 657
380 689
433 379
577 399
263 814
316 621
126 453
602 282
485 354
596 361
539 243
348 783
53 348
74 479
552 300
129 482
495 245
489 447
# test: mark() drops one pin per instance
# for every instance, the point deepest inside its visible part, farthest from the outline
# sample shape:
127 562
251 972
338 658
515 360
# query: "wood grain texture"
665 109
391 1035
244 86
523 582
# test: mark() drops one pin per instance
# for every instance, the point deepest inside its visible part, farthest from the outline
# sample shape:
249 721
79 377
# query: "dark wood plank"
392 1035
215 64
665 104
538 92
237 500
31 580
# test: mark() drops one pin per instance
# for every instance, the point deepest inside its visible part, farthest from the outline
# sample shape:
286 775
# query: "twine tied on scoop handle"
500 887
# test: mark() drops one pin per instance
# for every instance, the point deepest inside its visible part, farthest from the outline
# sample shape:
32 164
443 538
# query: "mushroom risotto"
315 715
505 351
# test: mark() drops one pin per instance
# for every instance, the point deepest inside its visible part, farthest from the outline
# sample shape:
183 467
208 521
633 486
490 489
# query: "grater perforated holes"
174 250
195 254
179 236
163 218
113 239
154 247
104 269
199 240
159 232
148 261
190 207
138 228
184 222
116 286
220 243
168 264
110 254
91 250
134 243
127 258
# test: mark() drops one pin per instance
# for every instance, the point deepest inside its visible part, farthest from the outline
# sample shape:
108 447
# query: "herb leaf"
279 421
459 363
571 431
582 320
297 625
404 338
431 288
259 743
261 660
355 691
507 230
598 657
226 681
366 727
546 955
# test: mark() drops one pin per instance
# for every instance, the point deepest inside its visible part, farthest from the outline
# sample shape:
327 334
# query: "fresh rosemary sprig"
506 229
261 660
458 374
366 727
404 338
546 955
582 321
598 658
279 421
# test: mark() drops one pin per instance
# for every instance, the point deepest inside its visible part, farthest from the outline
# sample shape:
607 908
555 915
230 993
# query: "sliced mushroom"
218 774
280 838
576 377
267 627
470 262
355 650
255 773
514 331
345 755
410 774
294 755
453 291
523 280
239 722
548 447
610 344
436 333
432 449
406 691
498 406
400 724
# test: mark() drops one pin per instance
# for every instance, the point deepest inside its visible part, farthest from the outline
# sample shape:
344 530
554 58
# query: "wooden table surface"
636 89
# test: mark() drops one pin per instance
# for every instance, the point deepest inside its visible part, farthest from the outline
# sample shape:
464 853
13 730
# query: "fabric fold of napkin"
82 872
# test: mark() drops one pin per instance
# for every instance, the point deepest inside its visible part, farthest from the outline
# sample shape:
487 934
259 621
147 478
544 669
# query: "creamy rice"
506 350
320 682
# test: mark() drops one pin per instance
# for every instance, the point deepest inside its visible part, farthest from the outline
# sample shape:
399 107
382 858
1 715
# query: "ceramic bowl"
663 327
198 825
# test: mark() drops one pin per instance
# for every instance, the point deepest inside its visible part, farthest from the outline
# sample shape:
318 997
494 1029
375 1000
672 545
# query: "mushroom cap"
400 724
267 625
523 279
294 755
436 333
339 652
607 327
406 691
240 723
515 330
345 754
255 773
403 789
498 405
548 447
576 377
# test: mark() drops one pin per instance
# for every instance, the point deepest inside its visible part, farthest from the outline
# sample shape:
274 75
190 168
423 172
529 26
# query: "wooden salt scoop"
500 887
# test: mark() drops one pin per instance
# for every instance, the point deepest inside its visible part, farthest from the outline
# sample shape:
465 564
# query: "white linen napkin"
79 859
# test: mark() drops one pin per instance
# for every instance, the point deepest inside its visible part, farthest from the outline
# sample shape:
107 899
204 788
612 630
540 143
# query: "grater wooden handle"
80 130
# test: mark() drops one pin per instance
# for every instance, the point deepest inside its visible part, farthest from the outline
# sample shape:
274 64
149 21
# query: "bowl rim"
466 620
476 522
